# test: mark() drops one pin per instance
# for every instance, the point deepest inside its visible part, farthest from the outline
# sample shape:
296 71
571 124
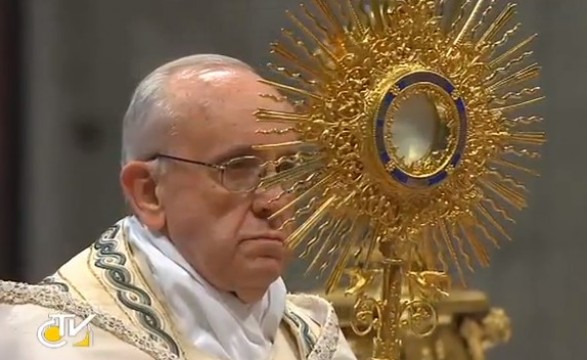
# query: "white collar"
215 322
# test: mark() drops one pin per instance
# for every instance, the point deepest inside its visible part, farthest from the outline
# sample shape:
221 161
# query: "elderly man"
198 265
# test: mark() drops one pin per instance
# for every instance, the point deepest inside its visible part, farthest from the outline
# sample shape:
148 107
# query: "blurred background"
68 68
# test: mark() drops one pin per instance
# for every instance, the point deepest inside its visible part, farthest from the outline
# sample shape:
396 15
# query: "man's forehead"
223 117
239 137
224 99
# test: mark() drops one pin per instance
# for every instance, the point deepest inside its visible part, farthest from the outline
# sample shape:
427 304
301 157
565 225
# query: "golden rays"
347 64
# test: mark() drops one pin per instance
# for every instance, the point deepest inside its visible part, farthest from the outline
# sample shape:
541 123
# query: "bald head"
160 98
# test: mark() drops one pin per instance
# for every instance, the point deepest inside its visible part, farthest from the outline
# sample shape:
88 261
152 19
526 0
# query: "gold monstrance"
409 155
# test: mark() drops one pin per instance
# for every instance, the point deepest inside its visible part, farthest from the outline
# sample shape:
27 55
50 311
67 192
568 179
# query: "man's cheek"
287 221
290 256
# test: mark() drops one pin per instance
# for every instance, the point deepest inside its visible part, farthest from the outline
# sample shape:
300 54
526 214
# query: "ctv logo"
52 333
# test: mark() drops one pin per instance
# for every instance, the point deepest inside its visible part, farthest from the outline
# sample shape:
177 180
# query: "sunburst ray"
371 242
444 232
505 69
519 105
295 187
292 90
519 95
296 237
277 131
337 231
459 14
300 45
525 120
314 19
440 8
326 245
528 73
479 250
494 29
513 166
276 98
491 220
528 138
483 18
379 23
466 29
487 234
348 243
281 116
326 227
506 57
511 196
505 37
299 213
525 153
290 57
425 249
461 248
499 210
293 174
296 76
440 250
301 198
329 14
323 47
507 180
354 16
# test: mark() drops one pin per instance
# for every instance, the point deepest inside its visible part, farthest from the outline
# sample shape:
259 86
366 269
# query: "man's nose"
268 202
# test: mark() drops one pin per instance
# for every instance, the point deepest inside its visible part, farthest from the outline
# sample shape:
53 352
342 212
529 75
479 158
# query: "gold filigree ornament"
414 155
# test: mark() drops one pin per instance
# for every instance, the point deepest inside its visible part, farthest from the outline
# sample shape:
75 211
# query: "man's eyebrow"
236 150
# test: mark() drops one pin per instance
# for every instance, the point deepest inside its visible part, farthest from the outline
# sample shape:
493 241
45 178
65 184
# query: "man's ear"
141 191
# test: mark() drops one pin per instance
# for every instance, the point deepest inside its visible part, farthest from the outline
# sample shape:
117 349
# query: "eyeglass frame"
220 167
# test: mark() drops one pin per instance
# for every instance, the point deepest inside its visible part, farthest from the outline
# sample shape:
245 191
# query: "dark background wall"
81 60
9 137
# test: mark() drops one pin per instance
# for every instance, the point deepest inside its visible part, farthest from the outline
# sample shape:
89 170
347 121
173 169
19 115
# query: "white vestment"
138 279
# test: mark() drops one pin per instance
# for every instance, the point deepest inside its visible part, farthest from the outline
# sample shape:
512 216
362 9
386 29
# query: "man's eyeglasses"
240 174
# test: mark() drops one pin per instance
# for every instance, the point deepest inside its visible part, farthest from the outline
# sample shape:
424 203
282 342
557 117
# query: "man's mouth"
272 236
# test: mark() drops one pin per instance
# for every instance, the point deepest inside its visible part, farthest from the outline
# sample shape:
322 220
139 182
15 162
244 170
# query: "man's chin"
262 272
250 296
271 266
253 294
